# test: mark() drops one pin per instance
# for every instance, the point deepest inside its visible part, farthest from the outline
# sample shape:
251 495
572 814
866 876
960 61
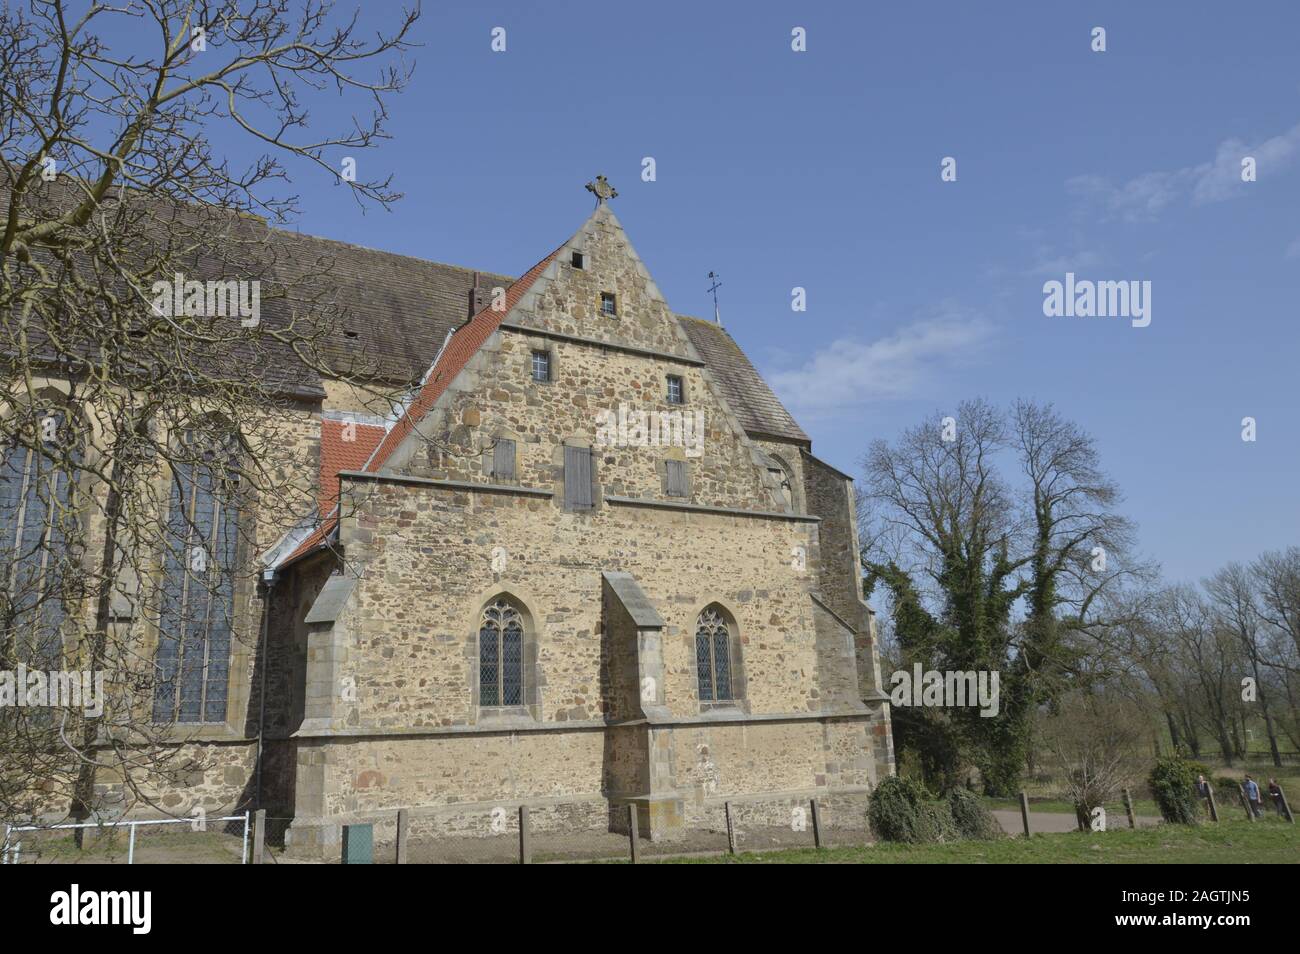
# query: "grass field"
1236 842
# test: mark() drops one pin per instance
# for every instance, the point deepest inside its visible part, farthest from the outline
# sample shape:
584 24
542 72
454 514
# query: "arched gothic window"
713 664
36 523
501 655
196 612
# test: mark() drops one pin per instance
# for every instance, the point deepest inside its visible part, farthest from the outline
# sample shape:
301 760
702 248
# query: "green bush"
935 825
1227 791
970 818
901 810
895 809
1173 785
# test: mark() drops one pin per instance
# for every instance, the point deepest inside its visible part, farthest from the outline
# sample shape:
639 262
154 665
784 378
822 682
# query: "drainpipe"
268 582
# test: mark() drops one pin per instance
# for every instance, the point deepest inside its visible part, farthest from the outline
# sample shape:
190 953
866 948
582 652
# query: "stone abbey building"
590 560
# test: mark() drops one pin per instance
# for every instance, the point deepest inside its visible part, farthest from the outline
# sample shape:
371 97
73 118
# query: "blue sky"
821 169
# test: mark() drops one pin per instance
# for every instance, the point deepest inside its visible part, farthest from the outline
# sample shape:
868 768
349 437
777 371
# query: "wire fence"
223 840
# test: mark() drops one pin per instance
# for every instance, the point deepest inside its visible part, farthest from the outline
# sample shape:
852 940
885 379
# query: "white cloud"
849 373
1143 197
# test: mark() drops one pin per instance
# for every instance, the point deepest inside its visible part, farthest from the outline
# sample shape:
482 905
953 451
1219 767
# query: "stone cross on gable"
602 190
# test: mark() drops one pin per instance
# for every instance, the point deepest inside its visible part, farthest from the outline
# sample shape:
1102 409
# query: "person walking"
1275 795
1251 788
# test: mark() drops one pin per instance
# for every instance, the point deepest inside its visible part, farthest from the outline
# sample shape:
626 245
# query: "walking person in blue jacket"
1251 788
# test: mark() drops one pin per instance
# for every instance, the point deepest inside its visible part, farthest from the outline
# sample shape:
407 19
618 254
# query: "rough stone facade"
355 683
610 709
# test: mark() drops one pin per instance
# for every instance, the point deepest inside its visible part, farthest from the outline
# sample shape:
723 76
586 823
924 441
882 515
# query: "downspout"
268 582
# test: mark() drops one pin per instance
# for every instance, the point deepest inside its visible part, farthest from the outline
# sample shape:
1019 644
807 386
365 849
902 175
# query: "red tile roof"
337 453
462 346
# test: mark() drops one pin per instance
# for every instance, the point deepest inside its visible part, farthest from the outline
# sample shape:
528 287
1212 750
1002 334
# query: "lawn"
1235 842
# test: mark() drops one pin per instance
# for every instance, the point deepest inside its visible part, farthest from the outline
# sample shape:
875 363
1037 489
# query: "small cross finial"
602 190
717 315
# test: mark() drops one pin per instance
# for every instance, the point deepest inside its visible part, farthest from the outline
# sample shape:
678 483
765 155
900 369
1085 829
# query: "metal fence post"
1128 807
403 834
259 836
243 851
130 846
731 828
1024 812
816 823
632 831
525 843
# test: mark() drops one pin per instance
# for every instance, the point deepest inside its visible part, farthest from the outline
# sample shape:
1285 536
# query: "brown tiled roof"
758 409
337 453
389 315
400 309
462 346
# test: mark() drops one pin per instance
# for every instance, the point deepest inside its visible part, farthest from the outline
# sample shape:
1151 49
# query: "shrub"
1227 791
970 818
895 810
901 811
934 824
1173 785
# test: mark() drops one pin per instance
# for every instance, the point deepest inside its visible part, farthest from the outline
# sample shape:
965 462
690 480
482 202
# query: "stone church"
587 559
594 559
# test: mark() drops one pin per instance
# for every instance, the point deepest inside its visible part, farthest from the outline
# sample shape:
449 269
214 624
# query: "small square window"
541 366
576 260
608 304
676 390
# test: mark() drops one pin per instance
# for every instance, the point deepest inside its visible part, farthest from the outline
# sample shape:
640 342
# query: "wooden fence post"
1286 806
259 836
403 834
731 830
816 823
525 839
633 832
1245 803
1024 811
1214 806
1128 807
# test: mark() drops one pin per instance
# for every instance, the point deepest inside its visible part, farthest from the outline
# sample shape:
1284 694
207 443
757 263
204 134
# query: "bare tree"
160 348
1094 742
1232 592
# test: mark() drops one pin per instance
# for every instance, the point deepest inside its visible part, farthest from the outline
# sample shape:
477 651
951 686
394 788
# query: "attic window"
608 304
576 260
676 391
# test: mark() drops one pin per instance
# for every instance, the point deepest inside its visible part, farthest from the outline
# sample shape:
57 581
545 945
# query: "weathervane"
602 190
717 318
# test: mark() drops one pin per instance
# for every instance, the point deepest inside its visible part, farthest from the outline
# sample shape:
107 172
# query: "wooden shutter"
676 478
503 459
577 478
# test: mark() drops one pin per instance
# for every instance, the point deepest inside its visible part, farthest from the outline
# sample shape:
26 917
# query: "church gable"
588 356
600 290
